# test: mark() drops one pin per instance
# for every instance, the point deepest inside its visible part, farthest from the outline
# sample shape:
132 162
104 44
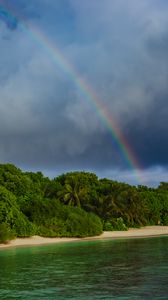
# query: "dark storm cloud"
148 132
149 135
48 150
120 48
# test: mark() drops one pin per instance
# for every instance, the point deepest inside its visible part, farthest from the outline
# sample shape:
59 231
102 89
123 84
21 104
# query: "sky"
119 48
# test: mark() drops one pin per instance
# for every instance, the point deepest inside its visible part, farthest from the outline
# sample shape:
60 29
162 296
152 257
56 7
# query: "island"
76 205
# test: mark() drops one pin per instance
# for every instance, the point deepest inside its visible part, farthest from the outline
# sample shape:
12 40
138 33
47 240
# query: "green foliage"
115 224
8 206
75 204
72 193
23 227
108 226
55 219
164 208
5 233
119 224
163 186
80 224
11 215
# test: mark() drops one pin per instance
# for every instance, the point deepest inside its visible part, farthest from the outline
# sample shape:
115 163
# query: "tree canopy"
74 204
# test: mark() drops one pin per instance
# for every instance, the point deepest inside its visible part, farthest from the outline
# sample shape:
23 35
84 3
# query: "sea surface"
120 269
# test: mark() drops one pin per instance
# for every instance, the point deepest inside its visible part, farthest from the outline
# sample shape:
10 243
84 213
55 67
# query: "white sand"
148 231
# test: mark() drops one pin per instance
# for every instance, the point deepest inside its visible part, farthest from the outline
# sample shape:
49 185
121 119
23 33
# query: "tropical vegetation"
74 204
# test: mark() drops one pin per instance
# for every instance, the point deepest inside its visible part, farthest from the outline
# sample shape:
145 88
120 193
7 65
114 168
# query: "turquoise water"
121 269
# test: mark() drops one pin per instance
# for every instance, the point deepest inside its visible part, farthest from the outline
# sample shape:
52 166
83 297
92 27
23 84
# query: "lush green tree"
5 233
11 215
72 192
75 204
163 186
52 218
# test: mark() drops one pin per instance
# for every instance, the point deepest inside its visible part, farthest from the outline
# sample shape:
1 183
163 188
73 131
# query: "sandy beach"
148 231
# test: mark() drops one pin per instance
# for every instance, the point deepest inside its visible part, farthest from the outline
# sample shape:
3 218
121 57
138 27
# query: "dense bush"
56 219
74 204
23 227
81 223
115 224
5 233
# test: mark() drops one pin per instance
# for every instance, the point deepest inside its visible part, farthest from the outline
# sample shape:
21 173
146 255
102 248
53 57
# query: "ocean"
87 270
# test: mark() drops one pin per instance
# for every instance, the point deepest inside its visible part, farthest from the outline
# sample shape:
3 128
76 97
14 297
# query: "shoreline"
148 231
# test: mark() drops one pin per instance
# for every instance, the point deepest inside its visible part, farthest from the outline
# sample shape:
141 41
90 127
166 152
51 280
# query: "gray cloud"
120 48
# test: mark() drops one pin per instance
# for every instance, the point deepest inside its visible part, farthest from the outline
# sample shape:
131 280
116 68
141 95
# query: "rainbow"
85 89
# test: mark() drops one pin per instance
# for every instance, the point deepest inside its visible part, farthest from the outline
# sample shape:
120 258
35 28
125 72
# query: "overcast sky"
120 47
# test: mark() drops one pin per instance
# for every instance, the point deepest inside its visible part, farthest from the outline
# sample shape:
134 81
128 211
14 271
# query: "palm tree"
72 193
134 207
108 207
